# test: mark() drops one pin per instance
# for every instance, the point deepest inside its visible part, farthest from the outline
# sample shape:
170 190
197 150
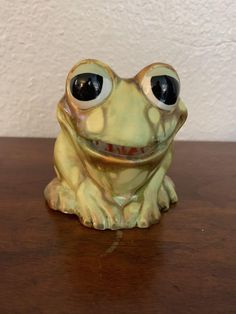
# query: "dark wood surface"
49 263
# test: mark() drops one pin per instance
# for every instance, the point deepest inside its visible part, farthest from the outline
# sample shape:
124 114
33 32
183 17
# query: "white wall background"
40 40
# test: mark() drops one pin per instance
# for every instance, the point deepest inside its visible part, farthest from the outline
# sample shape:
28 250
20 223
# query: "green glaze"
112 153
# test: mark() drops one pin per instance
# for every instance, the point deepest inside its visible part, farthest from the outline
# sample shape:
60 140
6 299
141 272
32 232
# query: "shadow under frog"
115 145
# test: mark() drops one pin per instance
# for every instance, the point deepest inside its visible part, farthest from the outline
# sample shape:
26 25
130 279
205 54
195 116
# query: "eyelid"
157 69
89 68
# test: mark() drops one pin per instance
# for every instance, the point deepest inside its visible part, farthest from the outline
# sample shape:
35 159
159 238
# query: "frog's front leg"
167 194
60 193
95 210
150 209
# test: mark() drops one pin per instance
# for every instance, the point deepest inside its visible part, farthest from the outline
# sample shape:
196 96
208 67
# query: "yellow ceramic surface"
115 145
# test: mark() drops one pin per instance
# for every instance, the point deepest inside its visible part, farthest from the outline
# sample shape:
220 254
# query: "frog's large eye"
163 91
89 89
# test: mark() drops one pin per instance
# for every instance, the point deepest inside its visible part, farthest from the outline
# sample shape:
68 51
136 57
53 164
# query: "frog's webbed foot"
166 194
149 214
60 197
153 203
94 210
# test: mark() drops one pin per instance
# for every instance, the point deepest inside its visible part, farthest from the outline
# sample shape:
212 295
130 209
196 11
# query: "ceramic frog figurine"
115 145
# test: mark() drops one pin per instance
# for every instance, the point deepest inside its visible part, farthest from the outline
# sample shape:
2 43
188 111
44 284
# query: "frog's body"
112 154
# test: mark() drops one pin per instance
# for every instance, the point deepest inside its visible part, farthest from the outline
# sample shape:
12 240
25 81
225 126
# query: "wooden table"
49 263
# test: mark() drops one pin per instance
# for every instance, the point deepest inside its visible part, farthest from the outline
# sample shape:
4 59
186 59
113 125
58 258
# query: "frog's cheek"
95 122
183 111
154 115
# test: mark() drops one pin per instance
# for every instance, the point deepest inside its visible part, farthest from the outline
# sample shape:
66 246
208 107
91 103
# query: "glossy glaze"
115 145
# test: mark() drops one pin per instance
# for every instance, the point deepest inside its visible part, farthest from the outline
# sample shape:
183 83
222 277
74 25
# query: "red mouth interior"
121 150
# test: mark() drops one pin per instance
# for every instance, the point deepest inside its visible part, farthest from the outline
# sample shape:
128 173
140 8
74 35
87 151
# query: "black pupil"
165 88
86 86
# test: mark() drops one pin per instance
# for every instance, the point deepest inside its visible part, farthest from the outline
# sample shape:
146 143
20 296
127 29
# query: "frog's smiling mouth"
120 151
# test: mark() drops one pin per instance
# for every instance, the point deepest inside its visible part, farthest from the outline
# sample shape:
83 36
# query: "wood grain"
50 263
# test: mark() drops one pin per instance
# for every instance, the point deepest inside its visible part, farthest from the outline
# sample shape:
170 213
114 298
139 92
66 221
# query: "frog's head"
124 121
